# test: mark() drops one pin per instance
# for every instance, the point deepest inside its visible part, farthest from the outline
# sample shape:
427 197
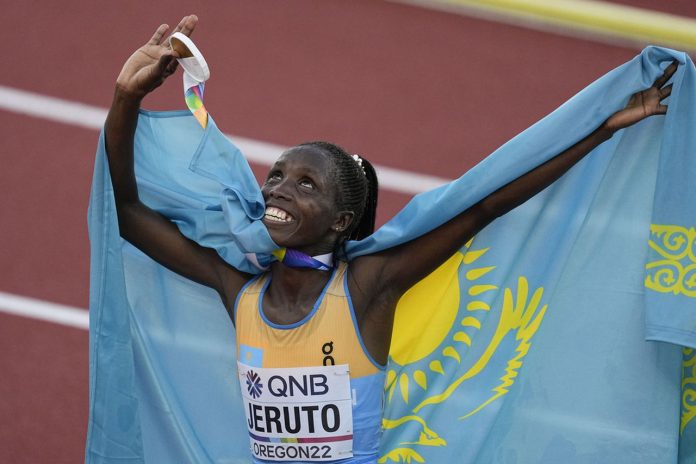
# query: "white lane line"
44 311
92 117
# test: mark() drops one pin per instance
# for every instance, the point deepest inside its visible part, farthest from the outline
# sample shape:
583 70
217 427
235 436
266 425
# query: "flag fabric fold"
528 345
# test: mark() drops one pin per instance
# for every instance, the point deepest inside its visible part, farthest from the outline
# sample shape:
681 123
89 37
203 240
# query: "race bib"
302 413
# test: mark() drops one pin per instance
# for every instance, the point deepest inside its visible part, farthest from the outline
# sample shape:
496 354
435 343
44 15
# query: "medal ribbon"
193 94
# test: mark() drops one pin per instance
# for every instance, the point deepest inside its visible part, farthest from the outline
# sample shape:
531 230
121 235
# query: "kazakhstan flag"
527 346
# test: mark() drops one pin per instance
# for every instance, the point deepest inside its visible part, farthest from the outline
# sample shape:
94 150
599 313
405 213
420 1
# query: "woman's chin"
280 233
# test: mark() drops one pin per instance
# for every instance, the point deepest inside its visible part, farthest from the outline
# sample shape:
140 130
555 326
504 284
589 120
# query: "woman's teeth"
277 215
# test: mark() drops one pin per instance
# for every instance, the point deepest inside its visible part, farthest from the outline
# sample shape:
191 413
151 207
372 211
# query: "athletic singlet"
282 366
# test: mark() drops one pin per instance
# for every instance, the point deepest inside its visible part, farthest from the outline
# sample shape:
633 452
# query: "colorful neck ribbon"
297 259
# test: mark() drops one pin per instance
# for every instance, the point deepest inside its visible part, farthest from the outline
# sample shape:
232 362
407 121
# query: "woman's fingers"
187 25
156 38
667 75
164 62
171 67
665 92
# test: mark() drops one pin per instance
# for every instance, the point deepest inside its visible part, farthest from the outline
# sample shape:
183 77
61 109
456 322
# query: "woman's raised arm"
392 272
152 233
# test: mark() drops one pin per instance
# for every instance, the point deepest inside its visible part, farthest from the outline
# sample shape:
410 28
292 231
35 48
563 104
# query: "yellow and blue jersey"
327 336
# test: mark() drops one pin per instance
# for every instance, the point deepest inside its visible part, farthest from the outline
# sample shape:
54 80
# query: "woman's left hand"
644 104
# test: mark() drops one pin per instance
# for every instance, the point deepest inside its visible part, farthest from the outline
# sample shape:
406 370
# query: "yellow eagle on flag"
439 346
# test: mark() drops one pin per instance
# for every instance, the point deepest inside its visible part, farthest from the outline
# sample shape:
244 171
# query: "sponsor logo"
253 383
304 385
326 350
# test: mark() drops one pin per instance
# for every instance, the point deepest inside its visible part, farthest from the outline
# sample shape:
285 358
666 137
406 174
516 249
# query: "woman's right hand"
152 63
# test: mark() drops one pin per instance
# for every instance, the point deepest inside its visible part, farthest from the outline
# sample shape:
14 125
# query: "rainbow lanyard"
297 259
196 72
193 94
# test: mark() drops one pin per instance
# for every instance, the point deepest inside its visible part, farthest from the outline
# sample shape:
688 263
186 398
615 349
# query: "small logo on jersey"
327 349
254 385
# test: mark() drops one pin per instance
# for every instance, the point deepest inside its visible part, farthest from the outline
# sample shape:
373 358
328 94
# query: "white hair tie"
359 160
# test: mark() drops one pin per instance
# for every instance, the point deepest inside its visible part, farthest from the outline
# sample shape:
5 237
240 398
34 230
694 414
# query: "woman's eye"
307 184
274 177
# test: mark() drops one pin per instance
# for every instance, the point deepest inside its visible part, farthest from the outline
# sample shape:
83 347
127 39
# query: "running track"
410 88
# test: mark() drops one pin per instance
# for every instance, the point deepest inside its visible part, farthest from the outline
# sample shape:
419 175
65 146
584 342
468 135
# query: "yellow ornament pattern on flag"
675 269
688 385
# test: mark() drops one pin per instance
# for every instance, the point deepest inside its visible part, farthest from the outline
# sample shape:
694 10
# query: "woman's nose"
280 191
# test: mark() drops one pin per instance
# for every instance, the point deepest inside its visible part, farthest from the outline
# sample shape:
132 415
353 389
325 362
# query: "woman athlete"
302 321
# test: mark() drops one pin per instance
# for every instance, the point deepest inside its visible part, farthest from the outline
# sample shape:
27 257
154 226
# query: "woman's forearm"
404 265
526 186
119 132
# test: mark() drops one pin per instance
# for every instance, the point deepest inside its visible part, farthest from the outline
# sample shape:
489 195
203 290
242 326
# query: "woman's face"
300 196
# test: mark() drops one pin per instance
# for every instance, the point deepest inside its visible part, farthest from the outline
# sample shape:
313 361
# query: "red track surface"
410 88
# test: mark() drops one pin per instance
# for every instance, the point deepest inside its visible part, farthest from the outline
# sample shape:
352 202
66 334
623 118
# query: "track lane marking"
256 151
44 311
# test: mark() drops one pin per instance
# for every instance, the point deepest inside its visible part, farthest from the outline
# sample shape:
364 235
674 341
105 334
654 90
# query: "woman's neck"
292 292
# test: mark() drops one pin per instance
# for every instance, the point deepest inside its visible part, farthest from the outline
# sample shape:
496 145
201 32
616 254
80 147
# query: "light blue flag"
528 346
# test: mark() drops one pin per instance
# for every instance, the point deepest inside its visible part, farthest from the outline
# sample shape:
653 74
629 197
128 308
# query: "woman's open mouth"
274 214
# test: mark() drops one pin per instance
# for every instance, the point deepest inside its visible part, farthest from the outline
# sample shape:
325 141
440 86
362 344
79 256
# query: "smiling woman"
314 330
335 197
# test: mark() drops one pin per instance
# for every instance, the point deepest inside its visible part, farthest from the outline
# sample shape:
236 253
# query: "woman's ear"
343 221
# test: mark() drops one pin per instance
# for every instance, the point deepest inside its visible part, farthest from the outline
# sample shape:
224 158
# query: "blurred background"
423 89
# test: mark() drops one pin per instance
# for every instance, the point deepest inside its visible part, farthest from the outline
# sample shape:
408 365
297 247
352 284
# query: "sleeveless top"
282 363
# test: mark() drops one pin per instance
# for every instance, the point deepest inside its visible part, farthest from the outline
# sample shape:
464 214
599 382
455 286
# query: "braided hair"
356 186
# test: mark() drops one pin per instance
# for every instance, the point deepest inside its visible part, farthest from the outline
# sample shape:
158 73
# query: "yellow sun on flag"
425 317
